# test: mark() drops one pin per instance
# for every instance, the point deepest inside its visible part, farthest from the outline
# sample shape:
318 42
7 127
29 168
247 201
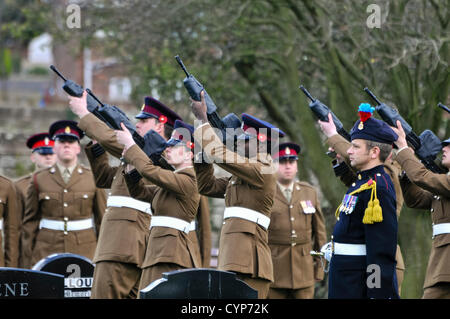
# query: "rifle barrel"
372 95
442 106
301 87
54 69
95 98
180 62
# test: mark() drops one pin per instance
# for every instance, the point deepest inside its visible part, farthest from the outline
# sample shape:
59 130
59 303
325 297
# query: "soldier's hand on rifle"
401 140
328 128
199 108
78 105
124 137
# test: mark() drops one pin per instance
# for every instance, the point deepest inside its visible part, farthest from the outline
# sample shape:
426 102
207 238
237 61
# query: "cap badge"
288 150
143 106
46 141
163 119
360 126
67 129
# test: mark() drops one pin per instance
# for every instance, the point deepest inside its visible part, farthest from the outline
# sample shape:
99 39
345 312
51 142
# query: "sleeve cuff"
133 176
97 150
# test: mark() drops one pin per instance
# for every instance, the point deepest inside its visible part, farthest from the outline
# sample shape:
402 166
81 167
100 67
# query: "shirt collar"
283 188
62 168
180 169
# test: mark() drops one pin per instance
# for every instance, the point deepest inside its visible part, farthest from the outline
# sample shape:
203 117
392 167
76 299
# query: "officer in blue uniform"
364 239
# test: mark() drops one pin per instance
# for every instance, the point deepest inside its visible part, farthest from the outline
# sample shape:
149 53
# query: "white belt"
248 214
172 222
66 225
192 226
349 249
1 224
126 201
440 229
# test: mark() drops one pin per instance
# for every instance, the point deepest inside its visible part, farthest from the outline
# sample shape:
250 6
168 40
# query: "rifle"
112 116
152 143
442 106
391 116
426 146
194 87
74 89
321 111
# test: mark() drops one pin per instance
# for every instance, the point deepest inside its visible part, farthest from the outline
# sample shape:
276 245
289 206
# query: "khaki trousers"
440 290
259 284
115 280
152 273
301 293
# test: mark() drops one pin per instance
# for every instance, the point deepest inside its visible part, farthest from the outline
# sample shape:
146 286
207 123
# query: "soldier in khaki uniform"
42 156
296 227
341 145
9 224
63 209
249 195
174 199
424 189
124 234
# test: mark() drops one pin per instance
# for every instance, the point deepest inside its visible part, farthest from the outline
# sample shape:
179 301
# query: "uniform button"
378 174
291 206
292 218
66 219
47 197
232 182
293 244
65 232
432 209
65 191
354 184
65 205
85 196
109 193
114 177
359 176
293 232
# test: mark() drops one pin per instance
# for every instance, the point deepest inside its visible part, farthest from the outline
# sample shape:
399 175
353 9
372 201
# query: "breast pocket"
50 204
85 202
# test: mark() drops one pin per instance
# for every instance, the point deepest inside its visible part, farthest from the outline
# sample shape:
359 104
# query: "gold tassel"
377 211
373 213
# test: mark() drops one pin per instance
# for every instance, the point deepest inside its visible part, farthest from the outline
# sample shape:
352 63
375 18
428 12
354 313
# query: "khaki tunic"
124 233
49 197
9 233
202 234
243 245
293 233
21 190
428 190
174 194
392 168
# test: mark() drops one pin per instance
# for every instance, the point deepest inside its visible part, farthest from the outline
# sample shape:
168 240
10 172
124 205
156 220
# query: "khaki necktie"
287 194
66 175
